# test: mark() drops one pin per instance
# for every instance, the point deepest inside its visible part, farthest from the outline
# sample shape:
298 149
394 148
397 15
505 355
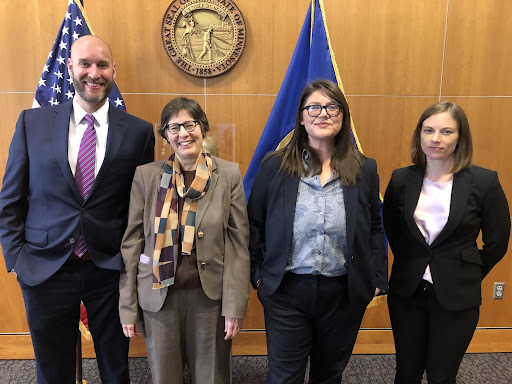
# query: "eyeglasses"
174 129
315 110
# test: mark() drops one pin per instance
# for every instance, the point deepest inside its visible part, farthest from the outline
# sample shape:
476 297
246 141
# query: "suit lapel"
350 200
203 203
411 196
60 132
114 139
458 203
290 191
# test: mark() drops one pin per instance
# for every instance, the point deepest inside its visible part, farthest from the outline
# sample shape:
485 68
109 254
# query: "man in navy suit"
64 245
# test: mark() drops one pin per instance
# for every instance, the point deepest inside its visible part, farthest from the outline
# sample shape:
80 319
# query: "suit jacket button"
72 241
82 210
203 265
200 234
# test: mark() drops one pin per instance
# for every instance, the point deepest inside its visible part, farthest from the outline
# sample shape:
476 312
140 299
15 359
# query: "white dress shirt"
432 212
77 127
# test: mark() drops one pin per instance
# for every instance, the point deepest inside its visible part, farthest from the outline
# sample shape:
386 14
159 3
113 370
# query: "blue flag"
56 86
313 59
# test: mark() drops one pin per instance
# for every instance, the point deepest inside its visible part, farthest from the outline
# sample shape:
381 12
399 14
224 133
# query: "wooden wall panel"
388 47
489 120
12 315
273 28
149 107
478 61
11 105
254 318
392 55
26 38
369 341
385 126
132 28
12 310
248 113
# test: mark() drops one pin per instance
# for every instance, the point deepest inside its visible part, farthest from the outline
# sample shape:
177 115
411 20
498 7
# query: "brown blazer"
222 237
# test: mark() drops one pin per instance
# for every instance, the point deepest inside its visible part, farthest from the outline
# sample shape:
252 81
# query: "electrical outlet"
499 290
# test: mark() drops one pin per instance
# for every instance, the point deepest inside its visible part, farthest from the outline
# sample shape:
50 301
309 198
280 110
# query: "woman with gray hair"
186 278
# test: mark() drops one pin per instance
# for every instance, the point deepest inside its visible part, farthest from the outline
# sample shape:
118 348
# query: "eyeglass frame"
167 127
307 107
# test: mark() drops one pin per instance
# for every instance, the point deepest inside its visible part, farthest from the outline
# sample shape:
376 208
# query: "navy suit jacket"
41 211
478 203
271 213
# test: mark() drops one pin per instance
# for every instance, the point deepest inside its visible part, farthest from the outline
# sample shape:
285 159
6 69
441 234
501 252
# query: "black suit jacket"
41 211
271 212
457 265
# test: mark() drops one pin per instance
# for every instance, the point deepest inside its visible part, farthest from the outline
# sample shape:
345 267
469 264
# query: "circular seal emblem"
204 38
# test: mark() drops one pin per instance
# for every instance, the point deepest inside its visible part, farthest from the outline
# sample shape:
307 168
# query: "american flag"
56 86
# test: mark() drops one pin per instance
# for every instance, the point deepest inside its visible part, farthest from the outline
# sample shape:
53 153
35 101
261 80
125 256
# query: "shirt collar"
101 115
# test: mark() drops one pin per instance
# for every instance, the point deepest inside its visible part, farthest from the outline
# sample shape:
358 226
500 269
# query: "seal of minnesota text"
204 38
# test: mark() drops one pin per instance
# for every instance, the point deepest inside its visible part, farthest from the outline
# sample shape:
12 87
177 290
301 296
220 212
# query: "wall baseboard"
369 341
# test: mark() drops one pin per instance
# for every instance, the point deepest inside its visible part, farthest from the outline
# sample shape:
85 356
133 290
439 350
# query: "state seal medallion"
204 38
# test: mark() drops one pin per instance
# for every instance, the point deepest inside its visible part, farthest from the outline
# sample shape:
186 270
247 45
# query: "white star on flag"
56 88
56 84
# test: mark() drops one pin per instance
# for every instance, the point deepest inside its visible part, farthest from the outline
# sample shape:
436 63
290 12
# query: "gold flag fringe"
84 331
377 300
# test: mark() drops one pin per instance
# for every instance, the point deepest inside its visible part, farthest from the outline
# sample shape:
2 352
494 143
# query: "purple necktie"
84 175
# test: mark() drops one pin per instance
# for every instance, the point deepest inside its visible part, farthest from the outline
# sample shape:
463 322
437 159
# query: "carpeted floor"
493 368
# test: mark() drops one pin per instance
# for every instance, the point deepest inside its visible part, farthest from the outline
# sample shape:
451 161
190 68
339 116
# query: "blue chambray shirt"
319 241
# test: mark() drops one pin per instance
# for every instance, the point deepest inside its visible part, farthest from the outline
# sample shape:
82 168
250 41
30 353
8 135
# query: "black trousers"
310 316
429 337
53 313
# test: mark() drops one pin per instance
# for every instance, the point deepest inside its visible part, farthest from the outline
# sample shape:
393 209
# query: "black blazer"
457 265
41 211
271 212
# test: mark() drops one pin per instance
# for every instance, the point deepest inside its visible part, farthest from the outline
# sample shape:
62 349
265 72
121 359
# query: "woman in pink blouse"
433 213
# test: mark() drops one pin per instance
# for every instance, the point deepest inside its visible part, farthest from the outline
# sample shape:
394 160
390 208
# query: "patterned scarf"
166 216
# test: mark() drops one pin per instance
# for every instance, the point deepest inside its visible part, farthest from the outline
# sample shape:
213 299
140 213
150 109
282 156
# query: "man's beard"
80 89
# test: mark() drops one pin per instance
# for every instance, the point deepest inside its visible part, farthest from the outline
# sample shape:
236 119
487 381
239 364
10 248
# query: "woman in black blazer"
433 213
316 241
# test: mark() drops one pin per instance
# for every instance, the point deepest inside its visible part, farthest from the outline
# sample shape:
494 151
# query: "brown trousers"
188 329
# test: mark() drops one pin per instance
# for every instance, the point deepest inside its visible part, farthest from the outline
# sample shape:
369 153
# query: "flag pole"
80 5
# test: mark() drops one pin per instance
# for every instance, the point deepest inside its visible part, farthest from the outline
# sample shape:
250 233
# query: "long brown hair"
463 154
346 159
